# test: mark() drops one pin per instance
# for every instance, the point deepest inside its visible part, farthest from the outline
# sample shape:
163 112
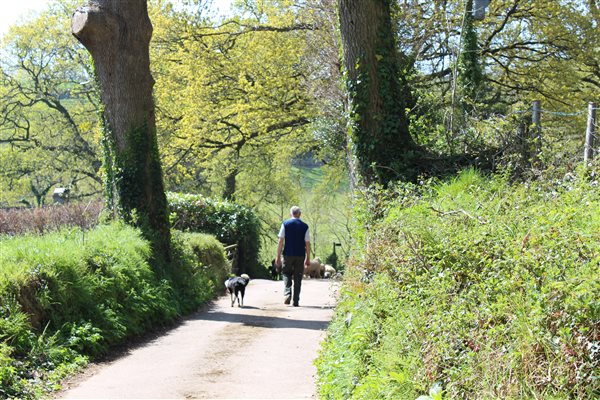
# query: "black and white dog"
237 287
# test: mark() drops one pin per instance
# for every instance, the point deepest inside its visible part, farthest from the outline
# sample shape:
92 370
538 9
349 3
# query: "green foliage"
231 98
70 295
199 269
230 223
244 98
48 131
493 68
488 288
332 259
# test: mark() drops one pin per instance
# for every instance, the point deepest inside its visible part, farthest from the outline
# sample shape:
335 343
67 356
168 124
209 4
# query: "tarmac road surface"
264 350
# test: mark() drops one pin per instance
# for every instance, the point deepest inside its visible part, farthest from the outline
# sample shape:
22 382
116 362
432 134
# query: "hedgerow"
476 287
17 221
231 223
71 295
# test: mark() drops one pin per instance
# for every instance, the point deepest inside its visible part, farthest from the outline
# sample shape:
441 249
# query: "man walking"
294 240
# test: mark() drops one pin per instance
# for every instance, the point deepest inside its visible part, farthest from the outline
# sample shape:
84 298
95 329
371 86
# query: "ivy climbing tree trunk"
117 34
381 141
470 74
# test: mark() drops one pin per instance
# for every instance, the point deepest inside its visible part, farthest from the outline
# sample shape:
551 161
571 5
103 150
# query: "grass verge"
70 295
473 289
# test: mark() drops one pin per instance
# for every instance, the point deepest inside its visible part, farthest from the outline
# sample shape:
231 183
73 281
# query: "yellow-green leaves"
48 131
231 98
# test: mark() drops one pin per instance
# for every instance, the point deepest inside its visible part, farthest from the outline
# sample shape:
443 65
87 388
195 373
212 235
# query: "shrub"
231 223
487 288
16 221
72 294
332 259
198 281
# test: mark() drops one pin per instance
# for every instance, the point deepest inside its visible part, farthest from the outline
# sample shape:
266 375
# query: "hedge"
231 223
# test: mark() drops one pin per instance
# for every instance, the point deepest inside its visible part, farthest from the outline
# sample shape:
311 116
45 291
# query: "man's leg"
287 272
298 275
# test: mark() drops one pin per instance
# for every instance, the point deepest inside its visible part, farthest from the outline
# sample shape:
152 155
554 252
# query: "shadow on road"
261 320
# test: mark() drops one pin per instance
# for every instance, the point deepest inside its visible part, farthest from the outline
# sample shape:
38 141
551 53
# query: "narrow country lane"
262 351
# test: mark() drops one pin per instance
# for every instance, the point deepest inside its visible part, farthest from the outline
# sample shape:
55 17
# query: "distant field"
312 177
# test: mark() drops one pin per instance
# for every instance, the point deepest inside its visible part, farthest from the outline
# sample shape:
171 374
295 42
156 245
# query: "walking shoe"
287 299
295 304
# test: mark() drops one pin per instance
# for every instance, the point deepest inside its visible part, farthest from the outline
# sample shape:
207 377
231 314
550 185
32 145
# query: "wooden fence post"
590 133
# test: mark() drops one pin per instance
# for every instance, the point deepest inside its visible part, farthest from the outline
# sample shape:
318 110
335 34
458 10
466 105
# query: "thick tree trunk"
117 34
381 139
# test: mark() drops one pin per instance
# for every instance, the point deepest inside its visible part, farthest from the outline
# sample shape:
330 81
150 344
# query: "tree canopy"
48 110
232 99
241 98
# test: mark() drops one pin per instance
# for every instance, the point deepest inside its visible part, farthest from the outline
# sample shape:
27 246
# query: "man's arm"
279 249
307 257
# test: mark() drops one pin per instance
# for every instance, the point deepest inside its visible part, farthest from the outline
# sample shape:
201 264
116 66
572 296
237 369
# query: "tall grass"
486 288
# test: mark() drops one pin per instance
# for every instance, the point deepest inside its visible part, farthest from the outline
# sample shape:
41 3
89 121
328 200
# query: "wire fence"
547 129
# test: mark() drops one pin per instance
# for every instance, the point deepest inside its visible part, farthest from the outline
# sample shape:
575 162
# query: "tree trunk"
117 34
470 74
381 140
230 179
229 192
